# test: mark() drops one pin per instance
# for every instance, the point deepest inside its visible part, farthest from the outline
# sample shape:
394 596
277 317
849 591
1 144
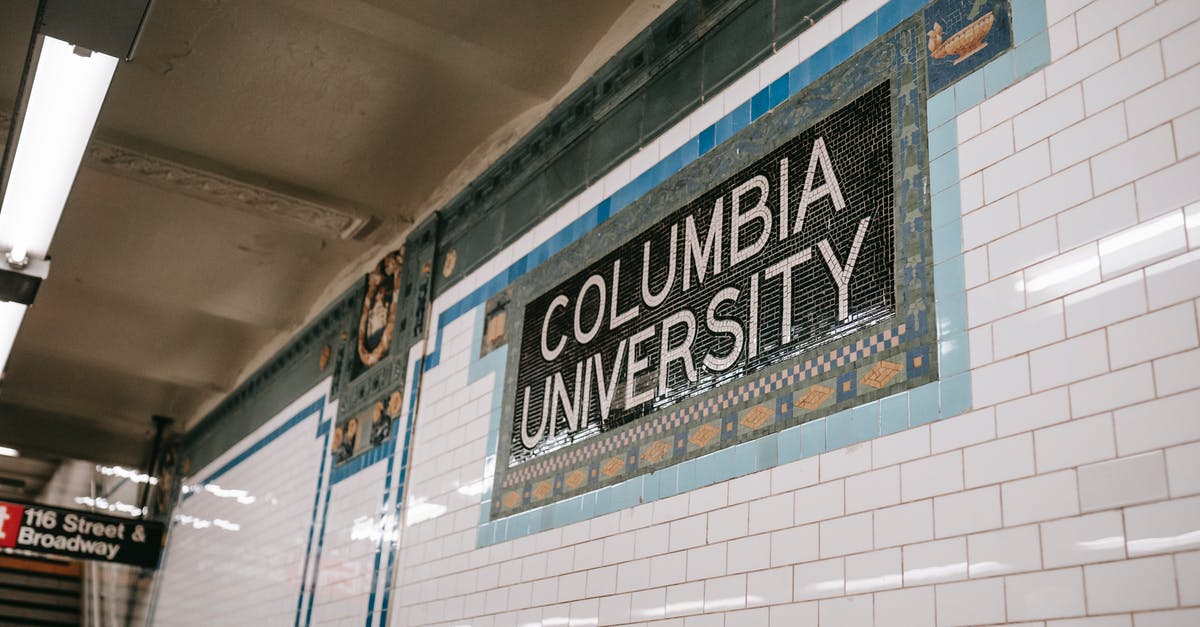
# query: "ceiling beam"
264 200
51 434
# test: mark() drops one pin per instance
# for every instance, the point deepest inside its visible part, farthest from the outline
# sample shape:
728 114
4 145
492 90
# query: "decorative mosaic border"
690 428
941 399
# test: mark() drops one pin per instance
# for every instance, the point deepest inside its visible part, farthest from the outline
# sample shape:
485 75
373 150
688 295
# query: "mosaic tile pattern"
962 36
668 436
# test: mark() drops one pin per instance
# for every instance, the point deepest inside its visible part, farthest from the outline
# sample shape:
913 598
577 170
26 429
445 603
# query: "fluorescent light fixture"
69 85
11 315
9 452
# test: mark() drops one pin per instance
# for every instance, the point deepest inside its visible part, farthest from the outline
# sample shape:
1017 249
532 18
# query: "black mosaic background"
858 138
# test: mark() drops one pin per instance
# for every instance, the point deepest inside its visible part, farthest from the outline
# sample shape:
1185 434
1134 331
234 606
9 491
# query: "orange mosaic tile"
611 467
813 398
757 416
704 434
883 372
575 478
657 451
542 490
511 499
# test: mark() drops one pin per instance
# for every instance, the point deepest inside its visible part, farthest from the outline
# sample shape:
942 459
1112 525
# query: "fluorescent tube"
64 102
10 320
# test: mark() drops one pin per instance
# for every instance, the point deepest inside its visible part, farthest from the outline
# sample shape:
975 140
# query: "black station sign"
790 253
79 534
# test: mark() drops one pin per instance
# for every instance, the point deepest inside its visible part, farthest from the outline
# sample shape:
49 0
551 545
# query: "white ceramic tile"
854 611
1163 102
1133 159
931 476
704 562
1016 99
817 580
794 475
1084 539
1187 572
848 534
1000 381
872 490
771 513
1095 134
1173 280
1066 273
998 460
686 533
725 593
795 545
1063 38
904 524
877 570
1029 329
984 149
1163 527
963 430
1104 304
769 587
1085 61
1049 594
1183 469
1113 390
1033 411
1102 16
1168 618
798 614
819 502
1044 497
1074 443
750 553
1073 360
845 461
900 447
1098 217
1159 333
1011 174
727 523
1005 551
1131 585
1048 117
1143 244
970 602
913 607
1156 424
966 512
991 221
933 562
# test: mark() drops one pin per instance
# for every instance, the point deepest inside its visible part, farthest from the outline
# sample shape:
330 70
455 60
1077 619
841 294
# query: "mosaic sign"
782 277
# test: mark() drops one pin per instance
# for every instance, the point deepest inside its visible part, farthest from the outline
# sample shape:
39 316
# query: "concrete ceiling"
251 160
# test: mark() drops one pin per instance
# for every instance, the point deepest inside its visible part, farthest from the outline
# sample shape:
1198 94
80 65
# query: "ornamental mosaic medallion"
783 276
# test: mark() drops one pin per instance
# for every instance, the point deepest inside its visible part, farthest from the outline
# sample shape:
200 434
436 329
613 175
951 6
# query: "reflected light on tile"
685 607
420 511
1059 275
1143 546
935 573
863 584
822 587
1136 235
726 603
102 503
475 488
1101 544
365 528
982 569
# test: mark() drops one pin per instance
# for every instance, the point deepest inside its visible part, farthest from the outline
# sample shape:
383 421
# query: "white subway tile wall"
1067 496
